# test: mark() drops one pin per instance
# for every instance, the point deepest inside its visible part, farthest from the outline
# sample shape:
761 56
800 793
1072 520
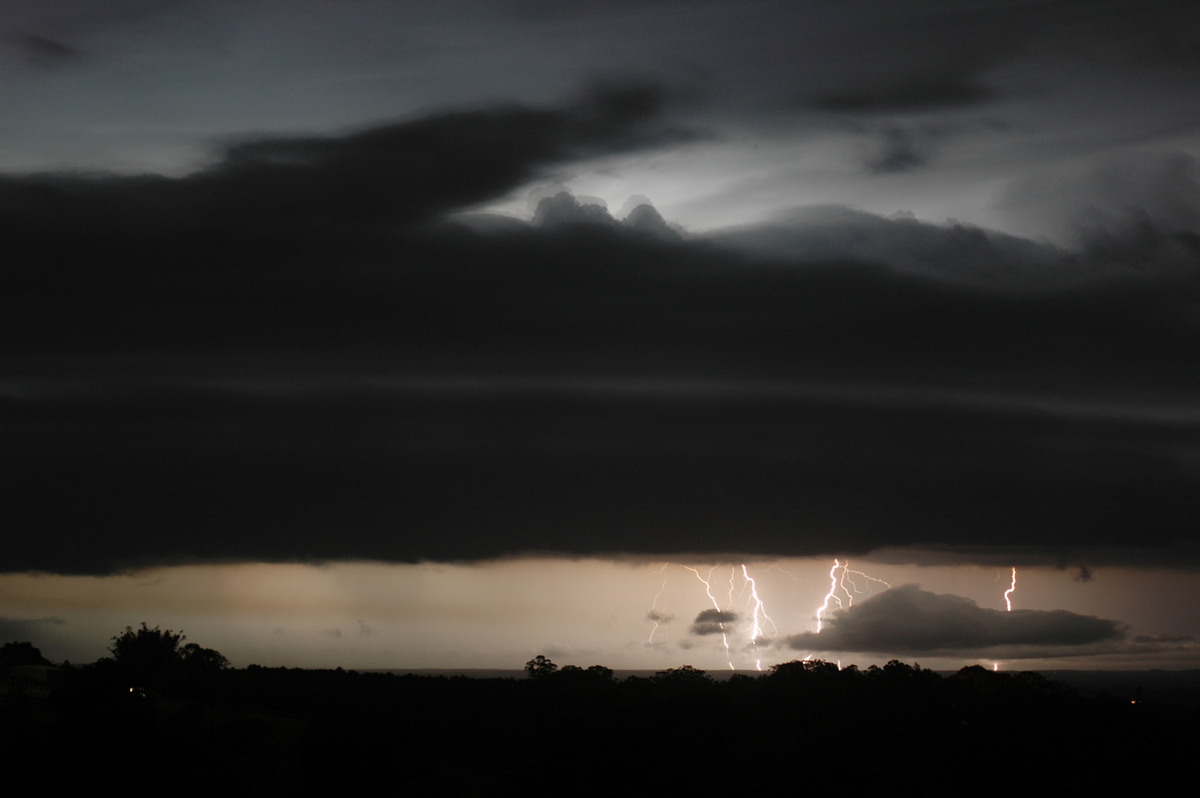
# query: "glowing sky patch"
499 614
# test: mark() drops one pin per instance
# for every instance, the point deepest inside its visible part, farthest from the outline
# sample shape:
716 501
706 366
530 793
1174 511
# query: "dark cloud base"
712 622
908 620
295 355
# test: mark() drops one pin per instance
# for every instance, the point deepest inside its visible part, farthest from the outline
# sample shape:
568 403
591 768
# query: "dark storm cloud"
1165 640
937 56
550 9
944 56
916 93
901 150
909 620
295 355
414 170
966 252
712 622
337 190
654 616
45 52
898 148
1163 33
1125 207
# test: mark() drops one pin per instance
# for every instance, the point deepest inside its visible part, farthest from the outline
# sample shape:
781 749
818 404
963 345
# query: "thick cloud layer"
908 620
712 622
295 354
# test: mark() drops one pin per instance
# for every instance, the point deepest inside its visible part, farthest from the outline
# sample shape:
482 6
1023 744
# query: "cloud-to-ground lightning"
854 589
1012 586
725 622
830 596
1008 593
653 615
717 606
760 612
838 583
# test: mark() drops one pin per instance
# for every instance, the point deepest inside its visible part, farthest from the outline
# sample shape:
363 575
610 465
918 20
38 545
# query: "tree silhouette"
801 668
600 672
684 676
154 657
200 659
147 656
24 653
539 667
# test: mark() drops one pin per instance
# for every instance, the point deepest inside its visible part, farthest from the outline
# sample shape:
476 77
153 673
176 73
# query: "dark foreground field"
802 727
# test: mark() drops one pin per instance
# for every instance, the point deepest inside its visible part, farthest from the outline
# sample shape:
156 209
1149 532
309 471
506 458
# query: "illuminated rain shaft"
1008 593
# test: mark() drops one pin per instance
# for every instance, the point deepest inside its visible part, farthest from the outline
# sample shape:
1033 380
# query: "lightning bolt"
839 583
830 596
716 606
1008 593
777 567
845 584
846 578
1012 586
760 611
652 615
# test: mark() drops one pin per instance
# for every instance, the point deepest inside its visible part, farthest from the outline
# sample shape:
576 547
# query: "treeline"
801 726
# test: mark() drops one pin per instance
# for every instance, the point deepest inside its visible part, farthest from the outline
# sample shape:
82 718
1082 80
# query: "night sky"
397 334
